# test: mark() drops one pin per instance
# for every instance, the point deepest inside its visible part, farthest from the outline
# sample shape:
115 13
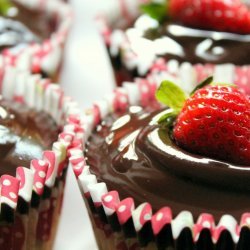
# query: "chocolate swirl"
24 135
133 155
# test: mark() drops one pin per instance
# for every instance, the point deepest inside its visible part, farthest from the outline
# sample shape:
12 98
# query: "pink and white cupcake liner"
139 220
43 57
28 190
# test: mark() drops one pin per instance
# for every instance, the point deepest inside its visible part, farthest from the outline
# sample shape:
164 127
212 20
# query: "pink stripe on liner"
204 221
73 118
121 101
110 202
145 91
245 220
159 65
78 163
124 210
50 158
9 190
40 169
26 178
124 10
103 28
160 219
1 75
18 99
66 138
96 113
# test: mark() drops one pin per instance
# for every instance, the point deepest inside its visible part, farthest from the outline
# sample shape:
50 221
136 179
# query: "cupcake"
151 181
36 46
197 37
35 136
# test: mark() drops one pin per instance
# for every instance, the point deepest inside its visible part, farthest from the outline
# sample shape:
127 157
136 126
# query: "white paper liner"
142 214
43 57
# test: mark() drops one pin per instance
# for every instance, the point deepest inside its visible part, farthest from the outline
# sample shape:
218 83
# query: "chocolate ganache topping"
24 135
135 156
174 41
13 33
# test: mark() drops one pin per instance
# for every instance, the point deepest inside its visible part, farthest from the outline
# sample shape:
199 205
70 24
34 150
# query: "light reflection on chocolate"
174 41
141 161
13 33
24 135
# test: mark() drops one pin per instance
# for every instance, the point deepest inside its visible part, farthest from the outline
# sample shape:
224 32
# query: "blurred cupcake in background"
187 39
35 137
35 45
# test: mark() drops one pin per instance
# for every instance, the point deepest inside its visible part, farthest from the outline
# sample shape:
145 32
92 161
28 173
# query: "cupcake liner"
128 61
31 201
45 57
137 226
119 13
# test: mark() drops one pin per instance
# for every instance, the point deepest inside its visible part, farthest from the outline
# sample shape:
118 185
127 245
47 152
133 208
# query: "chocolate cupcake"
36 134
36 46
172 42
145 190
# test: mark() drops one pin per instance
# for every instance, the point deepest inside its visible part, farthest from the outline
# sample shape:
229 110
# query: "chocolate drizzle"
24 135
133 155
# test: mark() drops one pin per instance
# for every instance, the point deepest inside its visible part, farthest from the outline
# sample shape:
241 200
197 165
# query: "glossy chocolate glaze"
16 28
174 41
133 155
14 33
24 135
42 25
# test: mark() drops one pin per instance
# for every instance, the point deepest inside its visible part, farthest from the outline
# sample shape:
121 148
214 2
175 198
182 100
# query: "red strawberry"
215 122
222 15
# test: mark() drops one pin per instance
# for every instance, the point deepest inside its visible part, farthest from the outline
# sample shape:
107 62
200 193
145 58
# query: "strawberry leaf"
5 5
155 10
171 95
204 83
167 119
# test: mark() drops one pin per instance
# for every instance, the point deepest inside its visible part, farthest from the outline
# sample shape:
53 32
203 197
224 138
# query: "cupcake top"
25 134
37 45
16 28
14 33
186 31
135 155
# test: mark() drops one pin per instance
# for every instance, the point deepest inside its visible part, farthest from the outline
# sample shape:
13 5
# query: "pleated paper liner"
46 57
30 202
124 225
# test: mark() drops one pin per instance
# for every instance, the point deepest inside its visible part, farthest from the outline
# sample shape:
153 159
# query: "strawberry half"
222 15
213 122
